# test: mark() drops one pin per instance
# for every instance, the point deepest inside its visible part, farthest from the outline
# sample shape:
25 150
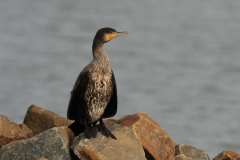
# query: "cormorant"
94 95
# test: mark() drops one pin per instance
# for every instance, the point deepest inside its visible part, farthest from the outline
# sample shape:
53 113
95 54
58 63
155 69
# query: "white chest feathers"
98 94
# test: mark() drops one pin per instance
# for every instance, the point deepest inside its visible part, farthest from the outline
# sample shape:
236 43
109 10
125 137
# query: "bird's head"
106 34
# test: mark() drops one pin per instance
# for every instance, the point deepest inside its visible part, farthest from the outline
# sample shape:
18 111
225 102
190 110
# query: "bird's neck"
98 52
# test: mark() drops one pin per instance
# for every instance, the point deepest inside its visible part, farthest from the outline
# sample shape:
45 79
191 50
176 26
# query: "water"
179 63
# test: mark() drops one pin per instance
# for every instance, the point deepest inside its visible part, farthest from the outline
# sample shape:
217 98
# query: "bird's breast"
101 83
98 94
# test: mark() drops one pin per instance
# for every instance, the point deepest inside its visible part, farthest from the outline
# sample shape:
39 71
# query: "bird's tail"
77 128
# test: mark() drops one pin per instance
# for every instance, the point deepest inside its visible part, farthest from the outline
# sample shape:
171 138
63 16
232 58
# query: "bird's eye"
111 32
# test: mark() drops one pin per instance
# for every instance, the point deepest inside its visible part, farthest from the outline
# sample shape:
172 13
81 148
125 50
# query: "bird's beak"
119 34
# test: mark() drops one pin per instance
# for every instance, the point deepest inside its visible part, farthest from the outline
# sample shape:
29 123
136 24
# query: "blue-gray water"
180 62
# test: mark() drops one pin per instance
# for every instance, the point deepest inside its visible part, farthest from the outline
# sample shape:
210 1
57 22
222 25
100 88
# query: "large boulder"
10 131
126 147
191 152
228 155
156 142
40 120
52 144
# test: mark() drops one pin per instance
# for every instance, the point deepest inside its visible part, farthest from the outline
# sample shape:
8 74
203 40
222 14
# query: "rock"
42 159
10 131
25 131
126 147
40 120
52 144
156 142
228 155
181 157
192 152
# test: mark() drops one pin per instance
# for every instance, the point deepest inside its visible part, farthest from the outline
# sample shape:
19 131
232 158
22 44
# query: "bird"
94 94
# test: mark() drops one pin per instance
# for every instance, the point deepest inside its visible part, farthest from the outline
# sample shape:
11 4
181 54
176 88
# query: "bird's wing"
111 108
77 101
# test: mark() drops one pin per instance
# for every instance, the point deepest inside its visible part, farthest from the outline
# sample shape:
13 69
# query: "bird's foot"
105 131
90 132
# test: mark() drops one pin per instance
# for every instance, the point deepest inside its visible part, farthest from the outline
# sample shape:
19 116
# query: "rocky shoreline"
44 135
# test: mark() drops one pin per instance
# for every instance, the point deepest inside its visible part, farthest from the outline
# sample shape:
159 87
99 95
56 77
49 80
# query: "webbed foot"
90 132
105 131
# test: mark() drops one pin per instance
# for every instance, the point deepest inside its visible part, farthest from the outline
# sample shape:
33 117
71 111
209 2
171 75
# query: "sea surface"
180 62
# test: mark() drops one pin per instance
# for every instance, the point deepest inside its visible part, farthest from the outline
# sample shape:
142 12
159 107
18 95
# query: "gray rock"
126 147
52 144
192 152
181 157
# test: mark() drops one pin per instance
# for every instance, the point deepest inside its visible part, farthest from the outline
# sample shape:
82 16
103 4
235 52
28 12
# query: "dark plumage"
94 95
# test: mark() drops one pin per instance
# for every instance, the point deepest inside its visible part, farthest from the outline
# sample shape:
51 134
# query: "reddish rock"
228 155
192 152
156 142
42 159
181 157
40 120
10 131
52 144
126 147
